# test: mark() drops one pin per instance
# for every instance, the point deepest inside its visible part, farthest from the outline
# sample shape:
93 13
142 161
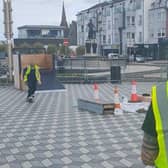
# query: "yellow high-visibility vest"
37 73
160 109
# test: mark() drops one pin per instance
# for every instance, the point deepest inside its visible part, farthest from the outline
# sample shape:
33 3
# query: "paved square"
52 132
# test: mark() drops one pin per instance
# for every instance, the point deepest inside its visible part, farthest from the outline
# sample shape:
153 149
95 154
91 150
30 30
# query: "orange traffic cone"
96 91
117 105
134 96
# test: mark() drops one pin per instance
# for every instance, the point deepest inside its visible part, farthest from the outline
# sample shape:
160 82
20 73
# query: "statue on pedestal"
92 31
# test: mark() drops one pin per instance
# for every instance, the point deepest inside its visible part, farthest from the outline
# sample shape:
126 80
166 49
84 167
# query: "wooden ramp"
99 106
49 82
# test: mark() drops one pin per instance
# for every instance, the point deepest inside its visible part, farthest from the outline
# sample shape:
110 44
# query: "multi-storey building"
107 17
73 33
118 26
137 31
47 34
158 28
97 15
41 31
44 34
122 26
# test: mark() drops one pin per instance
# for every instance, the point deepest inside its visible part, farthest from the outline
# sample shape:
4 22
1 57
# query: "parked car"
113 56
140 58
149 58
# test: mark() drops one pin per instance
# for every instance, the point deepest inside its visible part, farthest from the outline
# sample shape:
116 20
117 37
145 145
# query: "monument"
91 44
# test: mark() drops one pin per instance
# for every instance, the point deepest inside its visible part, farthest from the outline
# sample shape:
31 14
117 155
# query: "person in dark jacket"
150 147
155 127
31 77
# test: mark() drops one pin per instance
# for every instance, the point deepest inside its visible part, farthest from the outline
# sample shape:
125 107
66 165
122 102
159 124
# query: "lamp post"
158 54
8 34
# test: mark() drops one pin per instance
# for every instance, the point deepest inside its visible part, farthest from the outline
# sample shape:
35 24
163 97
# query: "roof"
101 5
41 27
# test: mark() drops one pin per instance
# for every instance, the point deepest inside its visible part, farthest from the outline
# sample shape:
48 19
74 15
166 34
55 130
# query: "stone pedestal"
91 47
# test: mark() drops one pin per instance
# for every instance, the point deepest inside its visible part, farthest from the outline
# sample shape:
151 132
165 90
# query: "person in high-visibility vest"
31 77
154 150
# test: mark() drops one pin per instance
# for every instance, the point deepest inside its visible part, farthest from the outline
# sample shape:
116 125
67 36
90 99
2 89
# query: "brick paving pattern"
52 132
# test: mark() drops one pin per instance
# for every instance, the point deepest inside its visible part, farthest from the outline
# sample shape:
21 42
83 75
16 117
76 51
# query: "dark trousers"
31 88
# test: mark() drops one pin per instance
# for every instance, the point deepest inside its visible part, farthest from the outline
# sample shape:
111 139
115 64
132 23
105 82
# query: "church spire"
63 20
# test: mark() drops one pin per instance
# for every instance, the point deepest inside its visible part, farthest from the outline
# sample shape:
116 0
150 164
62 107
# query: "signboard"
66 42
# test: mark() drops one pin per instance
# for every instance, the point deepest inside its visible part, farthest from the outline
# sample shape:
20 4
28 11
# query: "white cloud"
36 12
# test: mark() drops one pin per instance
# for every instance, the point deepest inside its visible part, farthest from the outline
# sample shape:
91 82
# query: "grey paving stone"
53 133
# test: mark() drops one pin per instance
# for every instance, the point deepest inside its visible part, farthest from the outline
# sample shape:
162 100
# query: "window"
133 35
128 35
140 20
159 16
162 16
128 20
159 34
108 12
138 4
109 39
133 20
140 36
163 32
109 25
82 28
151 35
104 38
115 22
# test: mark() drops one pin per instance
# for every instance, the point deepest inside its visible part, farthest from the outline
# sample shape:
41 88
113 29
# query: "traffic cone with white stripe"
117 104
134 96
96 91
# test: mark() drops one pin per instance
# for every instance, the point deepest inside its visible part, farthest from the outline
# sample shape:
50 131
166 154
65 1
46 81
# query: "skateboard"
30 100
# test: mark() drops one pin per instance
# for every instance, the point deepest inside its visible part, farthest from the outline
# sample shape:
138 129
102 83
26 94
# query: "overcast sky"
41 12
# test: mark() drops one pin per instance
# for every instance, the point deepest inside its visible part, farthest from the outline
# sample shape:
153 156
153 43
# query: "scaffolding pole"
8 34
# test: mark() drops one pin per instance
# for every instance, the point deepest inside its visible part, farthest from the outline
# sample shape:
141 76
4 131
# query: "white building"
137 31
107 18
158 28
121 26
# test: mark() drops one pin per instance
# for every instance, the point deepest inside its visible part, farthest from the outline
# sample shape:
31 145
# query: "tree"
38 45
80 50
52 49
64 50
25 45
39 48
3 47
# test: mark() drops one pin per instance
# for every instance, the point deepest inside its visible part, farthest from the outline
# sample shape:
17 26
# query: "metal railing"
90 69
86 69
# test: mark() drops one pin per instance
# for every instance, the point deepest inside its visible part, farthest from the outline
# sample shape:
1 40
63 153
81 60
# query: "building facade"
107 31
137 28
40 31
73 33
158 28
48 34
122 26
44 34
